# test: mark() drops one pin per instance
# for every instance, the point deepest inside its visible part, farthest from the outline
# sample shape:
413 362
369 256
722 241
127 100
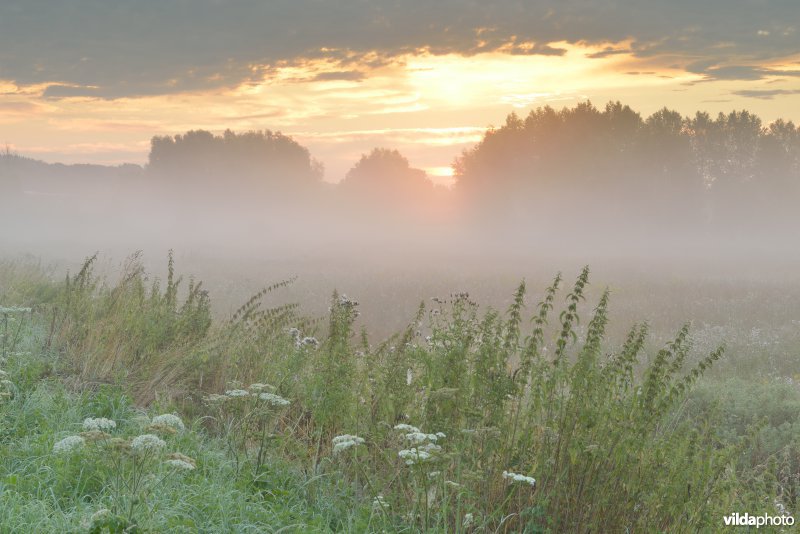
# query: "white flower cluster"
468 520
147 442
417 437
237 393
170 420
182 465
98 424
69 444
514 477
273 399
258 387
424 445
419 455
345 441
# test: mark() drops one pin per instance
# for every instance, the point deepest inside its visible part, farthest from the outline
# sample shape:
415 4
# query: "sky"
91 81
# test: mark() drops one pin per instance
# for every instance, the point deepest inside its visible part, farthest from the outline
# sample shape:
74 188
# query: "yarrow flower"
468 520
402 427
421 437
182 465
170 420
414 456
514 477
237 393
69 444
214 398
274 400
147 442
99 423
345 441
259 387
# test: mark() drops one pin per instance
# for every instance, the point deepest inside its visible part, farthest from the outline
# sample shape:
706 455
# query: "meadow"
133 402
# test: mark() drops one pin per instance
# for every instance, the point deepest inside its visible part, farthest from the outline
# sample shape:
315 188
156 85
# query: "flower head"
259 387
273 400
468 520
170 420
69 444
345 441
514 477
237 393
99 423
181 465
147 442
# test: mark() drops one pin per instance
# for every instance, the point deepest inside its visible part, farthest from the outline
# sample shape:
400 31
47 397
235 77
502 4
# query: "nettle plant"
546 429
131 467
248 420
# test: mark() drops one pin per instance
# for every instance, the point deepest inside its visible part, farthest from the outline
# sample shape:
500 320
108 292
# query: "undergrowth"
467 421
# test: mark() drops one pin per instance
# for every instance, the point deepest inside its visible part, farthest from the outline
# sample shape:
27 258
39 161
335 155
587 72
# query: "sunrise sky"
91 81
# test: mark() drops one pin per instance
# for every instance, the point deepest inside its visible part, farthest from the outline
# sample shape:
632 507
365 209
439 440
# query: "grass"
524 420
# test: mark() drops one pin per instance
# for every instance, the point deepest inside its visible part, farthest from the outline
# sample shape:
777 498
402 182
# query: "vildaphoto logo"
746 520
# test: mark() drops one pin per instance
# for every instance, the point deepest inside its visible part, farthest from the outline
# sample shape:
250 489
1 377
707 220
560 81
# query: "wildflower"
147 442
170 420
421 437
452 484
181 465
69 444
237 393
274 400
468 520
259 387
406 428
434 474
514 477
99 423
416 455
345 441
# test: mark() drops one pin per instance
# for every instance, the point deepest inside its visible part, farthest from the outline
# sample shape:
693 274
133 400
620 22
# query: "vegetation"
125 407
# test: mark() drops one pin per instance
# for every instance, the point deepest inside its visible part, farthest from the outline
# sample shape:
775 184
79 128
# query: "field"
140 402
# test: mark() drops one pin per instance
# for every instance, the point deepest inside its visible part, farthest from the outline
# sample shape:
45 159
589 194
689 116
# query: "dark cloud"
609 51
766 94
713 71
114 48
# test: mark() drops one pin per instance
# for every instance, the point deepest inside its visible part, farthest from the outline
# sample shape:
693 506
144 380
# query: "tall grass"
469 420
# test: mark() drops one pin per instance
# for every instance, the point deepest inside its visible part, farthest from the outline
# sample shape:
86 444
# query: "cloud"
346 75
766 94
609 51
112 49
712 71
